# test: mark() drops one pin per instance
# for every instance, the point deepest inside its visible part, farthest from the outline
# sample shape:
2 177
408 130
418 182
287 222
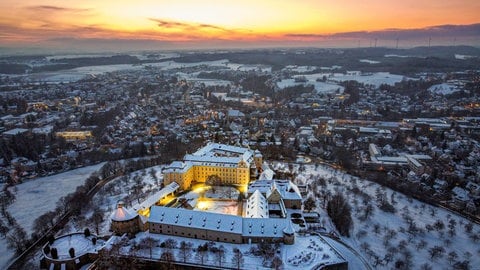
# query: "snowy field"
320 87
209 82
36 197
299 69
223 63
443 89
79 242
369 61
309 251
411 232
72 75
375 79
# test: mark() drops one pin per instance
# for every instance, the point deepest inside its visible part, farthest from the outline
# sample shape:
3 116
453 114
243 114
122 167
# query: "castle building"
219 227
218 163
265 216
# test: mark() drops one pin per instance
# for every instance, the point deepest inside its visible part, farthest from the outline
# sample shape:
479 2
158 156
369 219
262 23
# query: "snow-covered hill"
416 234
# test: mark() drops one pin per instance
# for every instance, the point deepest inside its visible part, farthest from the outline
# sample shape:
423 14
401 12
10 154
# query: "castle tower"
289 234
124 220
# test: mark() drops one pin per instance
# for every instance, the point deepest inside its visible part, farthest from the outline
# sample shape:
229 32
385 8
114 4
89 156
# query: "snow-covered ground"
36 197
309 251
79 242
464 57
443 89
409 232
299 69
72 75
375 79
369 61
320 87
397 55
382 238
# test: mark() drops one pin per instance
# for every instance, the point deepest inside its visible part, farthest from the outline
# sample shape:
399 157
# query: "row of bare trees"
186 253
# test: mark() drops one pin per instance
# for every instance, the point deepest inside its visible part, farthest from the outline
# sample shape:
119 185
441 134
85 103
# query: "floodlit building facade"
219 163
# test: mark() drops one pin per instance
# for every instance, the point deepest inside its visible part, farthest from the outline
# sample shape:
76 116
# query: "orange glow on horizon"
248 20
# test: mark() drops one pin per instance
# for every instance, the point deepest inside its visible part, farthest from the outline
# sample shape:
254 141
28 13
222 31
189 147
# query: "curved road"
355 260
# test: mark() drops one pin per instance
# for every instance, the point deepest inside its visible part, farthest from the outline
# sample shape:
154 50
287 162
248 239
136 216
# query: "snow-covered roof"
419 157
266 175
257 206
254 227
264 227
460 194
196 219
123 214
392 159
220 153
286 188
178 166
170 188
15 131
235 113
289 229
414 162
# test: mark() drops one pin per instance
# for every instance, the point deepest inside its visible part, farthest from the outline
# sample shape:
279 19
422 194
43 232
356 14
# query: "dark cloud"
169 24
188 26
213 27
44 8
439 31
306 35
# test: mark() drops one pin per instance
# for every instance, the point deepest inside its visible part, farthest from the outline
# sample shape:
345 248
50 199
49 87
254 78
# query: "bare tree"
185 250
340 212
148 242
97 219
17 239
452 256
202 253
426 266
309 204
237 258
365 246
3 229
421 245
277 262
170 243
436 252
168 257
220 255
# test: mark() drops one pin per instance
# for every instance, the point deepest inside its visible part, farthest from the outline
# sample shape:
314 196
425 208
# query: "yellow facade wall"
200 173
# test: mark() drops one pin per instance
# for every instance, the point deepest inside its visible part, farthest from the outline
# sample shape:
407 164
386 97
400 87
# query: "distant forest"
413 61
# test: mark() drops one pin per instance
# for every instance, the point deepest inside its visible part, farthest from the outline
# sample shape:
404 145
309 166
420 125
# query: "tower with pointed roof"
124 220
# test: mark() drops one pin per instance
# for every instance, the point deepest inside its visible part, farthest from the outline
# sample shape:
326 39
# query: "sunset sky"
37 22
